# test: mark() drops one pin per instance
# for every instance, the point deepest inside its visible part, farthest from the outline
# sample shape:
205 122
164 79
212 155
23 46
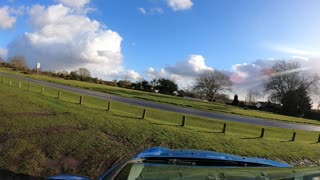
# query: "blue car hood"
160 152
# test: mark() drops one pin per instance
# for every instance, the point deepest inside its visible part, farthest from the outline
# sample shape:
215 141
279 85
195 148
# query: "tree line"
288 86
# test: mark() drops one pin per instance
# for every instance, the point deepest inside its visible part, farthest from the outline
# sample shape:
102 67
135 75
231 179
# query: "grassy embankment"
43 135
195 104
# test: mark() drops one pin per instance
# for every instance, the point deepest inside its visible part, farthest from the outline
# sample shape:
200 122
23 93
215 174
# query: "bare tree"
18 63
63 72
289 76
253 96
209 83
83 72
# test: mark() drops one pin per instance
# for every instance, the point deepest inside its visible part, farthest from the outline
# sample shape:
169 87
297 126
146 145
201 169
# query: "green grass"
43 135
178 101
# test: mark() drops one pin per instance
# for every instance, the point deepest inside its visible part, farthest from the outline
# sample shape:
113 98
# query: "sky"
176 39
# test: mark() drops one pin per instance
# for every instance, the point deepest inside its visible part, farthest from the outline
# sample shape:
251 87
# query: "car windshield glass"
145 171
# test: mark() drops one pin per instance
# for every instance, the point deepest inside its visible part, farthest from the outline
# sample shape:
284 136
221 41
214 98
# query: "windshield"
160 171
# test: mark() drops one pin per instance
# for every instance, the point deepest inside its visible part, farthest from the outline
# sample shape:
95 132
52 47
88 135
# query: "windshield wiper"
201 162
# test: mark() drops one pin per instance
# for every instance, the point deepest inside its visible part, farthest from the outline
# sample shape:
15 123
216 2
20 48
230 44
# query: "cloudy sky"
177 39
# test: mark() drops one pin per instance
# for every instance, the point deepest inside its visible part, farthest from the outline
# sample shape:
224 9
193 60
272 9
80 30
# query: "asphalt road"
166 107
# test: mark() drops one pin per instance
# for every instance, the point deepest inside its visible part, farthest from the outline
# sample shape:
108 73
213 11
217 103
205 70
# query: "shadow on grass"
287 141
211 132
160 124
130 117
315 143
258 137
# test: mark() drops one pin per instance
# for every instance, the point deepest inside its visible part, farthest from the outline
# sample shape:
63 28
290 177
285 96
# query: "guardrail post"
183 121
81 100
59 94
262 133
10 82
224 128
293 136
318 139
20 84
144 113
42 90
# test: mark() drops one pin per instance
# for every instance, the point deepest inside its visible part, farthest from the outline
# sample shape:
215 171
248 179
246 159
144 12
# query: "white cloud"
151 11
192 66
293 51
18 11
129 75
248 76
183 72
3 52
184 82
64 39
142 10
74 3
179 5
132 75
6 21
244 76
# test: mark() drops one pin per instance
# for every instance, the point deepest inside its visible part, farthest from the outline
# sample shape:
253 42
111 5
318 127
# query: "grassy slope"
216 107
43 135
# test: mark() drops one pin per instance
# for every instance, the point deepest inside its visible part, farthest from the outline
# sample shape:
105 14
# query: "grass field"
178 101
43 135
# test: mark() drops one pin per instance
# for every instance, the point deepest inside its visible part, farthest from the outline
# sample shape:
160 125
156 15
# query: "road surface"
172 108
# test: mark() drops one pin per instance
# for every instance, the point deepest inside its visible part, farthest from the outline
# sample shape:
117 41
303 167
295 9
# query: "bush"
312 115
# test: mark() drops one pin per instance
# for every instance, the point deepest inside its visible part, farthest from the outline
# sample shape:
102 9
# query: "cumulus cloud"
129 75
74 3
244 76
6 20
248 76
179 5
3 52
192 66
183 72
64 39
184 82
150 11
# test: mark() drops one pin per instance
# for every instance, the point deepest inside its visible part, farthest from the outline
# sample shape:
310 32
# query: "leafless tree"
64 72
83 72
289 76
19 63
209 83
253 96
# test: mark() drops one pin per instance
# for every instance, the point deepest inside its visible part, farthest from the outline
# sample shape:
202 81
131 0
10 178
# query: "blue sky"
154 34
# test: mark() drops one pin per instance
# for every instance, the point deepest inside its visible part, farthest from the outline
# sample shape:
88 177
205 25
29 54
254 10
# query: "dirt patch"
43 131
